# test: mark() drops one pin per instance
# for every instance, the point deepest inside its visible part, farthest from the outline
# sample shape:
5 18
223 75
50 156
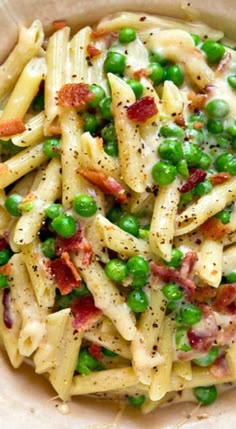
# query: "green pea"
205 394
144 233
11 204
197 117
115 213
84 205
182 168
115 63
136 86
116 270
137 266
105 108
172 130
127 35
163 173
196 38
86 362
185 198
5 255
48 248
82 290
217 108
137 300
108 133
111 148
215 126
157 73
3 281
176 258
226 162
38 103
224 216
214 51
171 150
231 277
25 206
208 358
189 314
203 188
171 306
192 154
223 141
64 225
204 162
108 353
129 224
139 281
99 95
172 292
157 57
181 339
51 148
231 79
231 128
175 74
53 210
196 136
90 122
137 400
234 144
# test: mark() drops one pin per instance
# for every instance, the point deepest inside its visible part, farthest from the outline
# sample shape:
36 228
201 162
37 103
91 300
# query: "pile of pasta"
117 208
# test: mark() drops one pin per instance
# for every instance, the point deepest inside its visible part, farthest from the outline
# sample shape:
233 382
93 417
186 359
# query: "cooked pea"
129 224
208 358
192 154
163 173
99 93
137 400
214 51
115 63
189 314
217 108
127 35
224 216
172 291
175 74
205 394
203 188
12 203
176 258
231 79
137 300
84 205
136 86
157 73
172 130
226 162
116 270
215 126
64 225
171 150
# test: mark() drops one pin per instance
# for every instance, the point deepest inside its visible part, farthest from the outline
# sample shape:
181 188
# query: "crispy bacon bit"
197 101
3 243
85 313
59 24
7 317
198 125
202 335
93 51
197 175
220 368
142 109
75 94
214 229
107 184
219 178
139 74
11 127
65 274
96 351
187 264
78 242
5 269
202 294
169 275
96 34
225 301
227 335
223 64
179 120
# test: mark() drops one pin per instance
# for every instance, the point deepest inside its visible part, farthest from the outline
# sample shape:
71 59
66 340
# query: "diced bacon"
96 34
170 275
220 368
187 264
96 351
223 64
75 95
5 269
225 301
179 119
11 127
219 178
139 74
3 243
203 334
7 317
227 335
93 51
214 229
107 184
78 242
197 175
59 24
198 125
65 274
197 101
142 109
85 313
202 294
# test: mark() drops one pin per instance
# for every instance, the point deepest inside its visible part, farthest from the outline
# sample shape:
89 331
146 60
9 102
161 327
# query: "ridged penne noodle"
183 369
200 377
33 134
79 69
172 99
210 262
229 260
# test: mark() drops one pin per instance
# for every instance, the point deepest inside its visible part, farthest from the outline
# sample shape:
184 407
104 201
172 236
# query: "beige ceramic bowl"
25 398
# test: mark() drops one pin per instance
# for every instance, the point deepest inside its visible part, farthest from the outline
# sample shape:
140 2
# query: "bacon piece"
93 51
179 120
5 269
203 334
187 264
198 125
59 24
223 64
96 351
142 109
78 242
85 313
65 274
197 175
96 34
219 178
225 301
3 243
204 293
107 184
220 368
139 74
227 335
197 101
75 95
7 317
170 275
11 127
213 228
